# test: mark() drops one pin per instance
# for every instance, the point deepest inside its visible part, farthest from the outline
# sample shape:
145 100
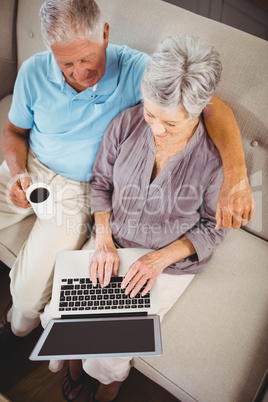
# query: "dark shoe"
69 385
5 327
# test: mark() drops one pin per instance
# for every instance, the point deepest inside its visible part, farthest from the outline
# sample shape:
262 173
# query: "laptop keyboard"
80 294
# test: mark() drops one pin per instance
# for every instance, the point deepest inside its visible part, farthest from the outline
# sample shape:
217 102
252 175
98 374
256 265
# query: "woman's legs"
115 370
73 379
111 372
106 393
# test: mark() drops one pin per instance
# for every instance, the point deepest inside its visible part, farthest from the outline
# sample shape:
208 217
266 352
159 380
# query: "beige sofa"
215 339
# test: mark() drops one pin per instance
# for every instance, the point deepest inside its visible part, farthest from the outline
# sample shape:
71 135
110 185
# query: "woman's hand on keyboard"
104 263
143 272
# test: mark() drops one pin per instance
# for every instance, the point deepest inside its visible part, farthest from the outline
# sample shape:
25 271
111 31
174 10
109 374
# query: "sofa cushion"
216 334
13 238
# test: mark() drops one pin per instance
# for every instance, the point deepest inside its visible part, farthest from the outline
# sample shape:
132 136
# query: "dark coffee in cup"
39 195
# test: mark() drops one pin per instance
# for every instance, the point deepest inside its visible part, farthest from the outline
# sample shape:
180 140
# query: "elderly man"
63 100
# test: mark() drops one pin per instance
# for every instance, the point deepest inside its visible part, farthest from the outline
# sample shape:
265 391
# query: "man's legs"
32 274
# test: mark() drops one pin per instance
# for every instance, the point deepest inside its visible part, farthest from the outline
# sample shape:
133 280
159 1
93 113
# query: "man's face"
82 62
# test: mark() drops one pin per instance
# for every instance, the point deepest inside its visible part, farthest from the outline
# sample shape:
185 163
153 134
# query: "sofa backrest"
141 24
8 46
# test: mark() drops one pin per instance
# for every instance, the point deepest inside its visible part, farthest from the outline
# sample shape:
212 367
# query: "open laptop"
90 321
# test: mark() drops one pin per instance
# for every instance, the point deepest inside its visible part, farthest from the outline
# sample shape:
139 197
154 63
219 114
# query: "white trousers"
32 274
107 370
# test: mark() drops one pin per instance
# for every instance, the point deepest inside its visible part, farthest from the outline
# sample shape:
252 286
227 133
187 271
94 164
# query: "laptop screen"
72 338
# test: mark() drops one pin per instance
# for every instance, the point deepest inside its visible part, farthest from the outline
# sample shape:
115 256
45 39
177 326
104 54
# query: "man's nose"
80 73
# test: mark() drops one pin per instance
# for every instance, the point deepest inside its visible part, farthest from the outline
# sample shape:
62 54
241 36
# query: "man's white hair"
64 21
184 70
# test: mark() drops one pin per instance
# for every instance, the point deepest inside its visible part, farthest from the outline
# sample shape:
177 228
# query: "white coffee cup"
40 197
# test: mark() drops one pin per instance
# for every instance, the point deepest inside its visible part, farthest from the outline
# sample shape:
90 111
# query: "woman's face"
169 127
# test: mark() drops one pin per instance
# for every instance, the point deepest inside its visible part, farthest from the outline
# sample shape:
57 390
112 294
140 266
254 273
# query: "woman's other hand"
104 264
143 272
235 206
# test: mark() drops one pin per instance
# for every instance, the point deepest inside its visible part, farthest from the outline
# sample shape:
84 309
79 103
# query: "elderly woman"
155 184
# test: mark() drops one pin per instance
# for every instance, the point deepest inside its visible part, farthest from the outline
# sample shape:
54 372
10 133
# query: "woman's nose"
158 128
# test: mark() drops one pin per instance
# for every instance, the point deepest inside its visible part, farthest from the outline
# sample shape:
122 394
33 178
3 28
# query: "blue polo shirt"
66 126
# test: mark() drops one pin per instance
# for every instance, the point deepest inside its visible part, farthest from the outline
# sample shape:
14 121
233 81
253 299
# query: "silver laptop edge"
38 355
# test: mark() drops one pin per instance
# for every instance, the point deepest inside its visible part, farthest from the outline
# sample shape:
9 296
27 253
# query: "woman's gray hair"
183 70
64 21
